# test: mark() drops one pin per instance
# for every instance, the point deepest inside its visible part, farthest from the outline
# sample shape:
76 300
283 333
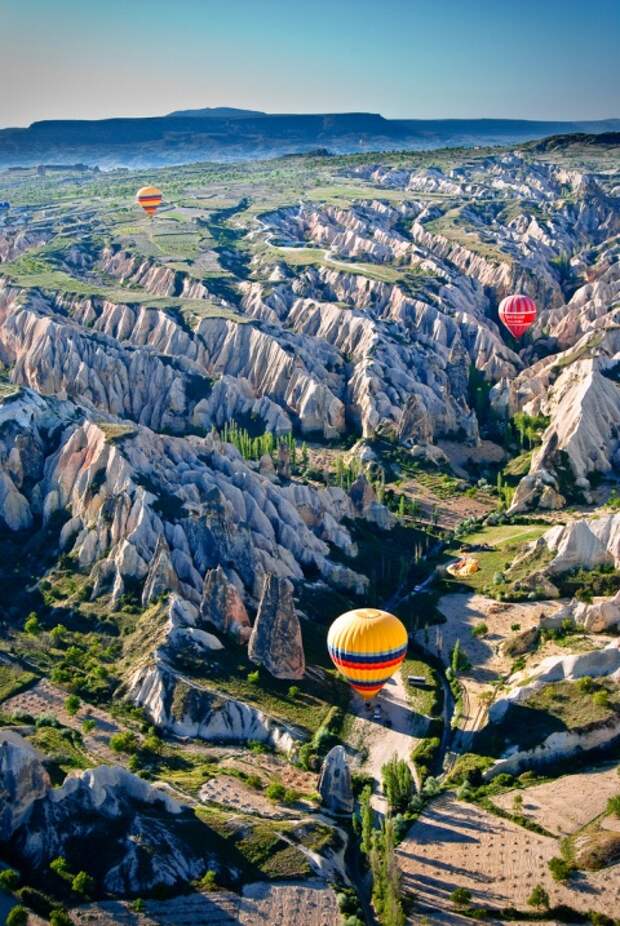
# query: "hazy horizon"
69 60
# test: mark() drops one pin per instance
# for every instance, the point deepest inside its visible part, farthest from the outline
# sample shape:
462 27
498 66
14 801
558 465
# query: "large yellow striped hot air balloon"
149 197
367 646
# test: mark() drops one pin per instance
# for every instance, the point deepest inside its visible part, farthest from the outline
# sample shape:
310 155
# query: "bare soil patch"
45 699
311 904
455 844
566 804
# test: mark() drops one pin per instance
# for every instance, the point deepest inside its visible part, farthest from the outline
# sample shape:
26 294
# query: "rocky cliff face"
144 837
124 488
583 542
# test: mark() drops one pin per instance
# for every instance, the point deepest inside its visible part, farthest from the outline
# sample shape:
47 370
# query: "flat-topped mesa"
276 641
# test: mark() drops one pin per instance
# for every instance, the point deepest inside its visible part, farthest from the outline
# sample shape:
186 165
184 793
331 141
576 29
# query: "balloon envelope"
367 646
149 197
518 313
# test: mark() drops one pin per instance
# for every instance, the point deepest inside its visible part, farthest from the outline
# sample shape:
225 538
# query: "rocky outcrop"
23 780
276 642
583 543
185 709
335 782
595 664
149 838
602 614
124 488
223 606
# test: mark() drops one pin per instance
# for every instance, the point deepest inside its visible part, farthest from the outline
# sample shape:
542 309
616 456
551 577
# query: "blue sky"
538 59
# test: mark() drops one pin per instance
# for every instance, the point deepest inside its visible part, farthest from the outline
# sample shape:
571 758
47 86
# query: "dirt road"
383 741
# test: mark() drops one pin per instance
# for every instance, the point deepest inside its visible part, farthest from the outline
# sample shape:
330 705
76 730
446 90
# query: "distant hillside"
216 112
230 134
558 142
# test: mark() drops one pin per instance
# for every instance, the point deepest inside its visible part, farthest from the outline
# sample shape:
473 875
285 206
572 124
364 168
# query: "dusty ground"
462 612
567 803
235 794
45 698
382 741
311 904
455 844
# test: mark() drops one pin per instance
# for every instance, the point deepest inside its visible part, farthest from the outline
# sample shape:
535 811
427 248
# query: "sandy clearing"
567 803
455 844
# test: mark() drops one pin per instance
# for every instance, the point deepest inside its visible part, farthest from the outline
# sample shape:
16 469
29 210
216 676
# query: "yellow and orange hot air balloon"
149 197
367 646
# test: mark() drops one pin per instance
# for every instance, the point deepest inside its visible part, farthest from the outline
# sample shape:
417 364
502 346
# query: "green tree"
60 917
517 804
18 916
560 869
9 879
613 805
32 625
60 866
460 897
366 818
397 784
539 897
83 884
72 705
124 742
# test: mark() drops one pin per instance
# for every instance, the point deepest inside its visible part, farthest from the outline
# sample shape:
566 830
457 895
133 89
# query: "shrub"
138 905
83 884
460 897
560 869
60 917
124 742
539 897
480 630
208 882
72 705
88 725
18 916
31 624
254 677
60 867
293 692
275 791
9 879
585 684
601 698
613 805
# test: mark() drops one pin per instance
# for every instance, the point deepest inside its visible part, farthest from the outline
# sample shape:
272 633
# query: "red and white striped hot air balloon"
518 313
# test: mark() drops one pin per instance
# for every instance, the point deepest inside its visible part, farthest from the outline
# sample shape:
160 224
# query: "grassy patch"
556 708
260 844
506 542
13 680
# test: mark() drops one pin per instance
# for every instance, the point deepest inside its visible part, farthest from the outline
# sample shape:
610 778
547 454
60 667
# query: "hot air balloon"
367 646
518 313
149 197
